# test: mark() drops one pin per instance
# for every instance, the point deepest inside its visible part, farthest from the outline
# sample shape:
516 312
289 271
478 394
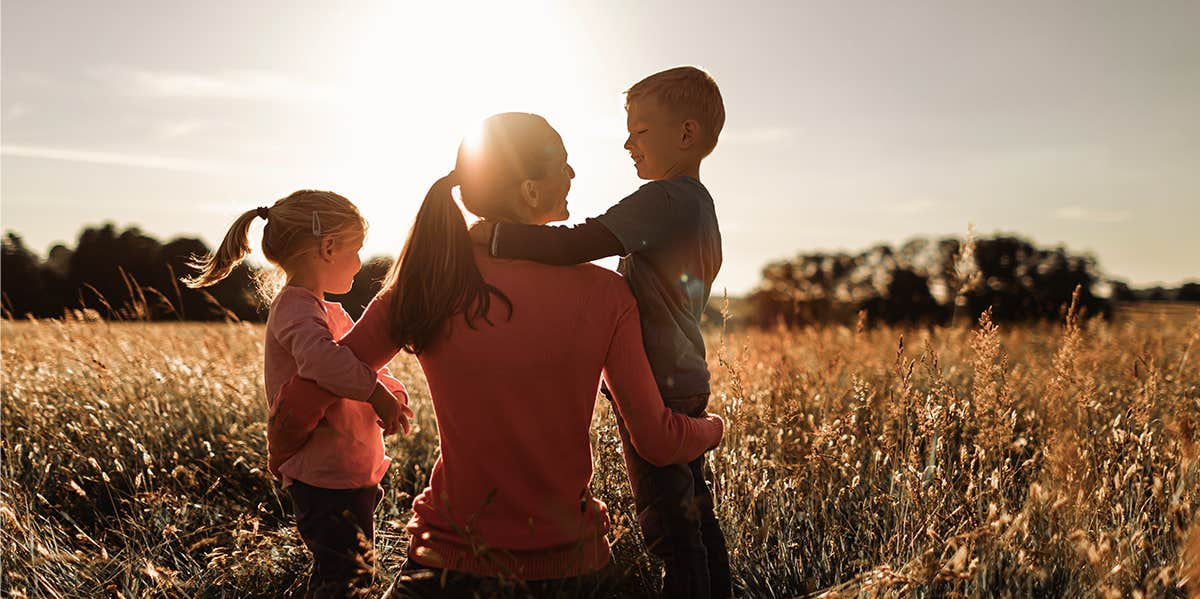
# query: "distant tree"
99 269
190 303
121 275
59 260
921 283
21 280
235 296
908 299
1122 293
1157 293
1189 292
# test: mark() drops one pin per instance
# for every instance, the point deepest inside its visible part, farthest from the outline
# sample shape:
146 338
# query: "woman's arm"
371 339
661 436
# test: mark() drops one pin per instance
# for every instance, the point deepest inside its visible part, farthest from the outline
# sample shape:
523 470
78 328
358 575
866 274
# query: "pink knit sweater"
343 449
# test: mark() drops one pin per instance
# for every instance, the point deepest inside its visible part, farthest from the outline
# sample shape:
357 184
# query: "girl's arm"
302 327
660 435
349 368
300 407
393 385
302 401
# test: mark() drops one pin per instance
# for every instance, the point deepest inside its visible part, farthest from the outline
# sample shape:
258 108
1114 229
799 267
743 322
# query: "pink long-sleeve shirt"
509 494
343 449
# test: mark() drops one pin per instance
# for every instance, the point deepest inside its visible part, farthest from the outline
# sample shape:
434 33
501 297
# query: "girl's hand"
393 415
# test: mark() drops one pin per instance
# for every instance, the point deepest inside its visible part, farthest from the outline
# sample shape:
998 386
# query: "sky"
848 123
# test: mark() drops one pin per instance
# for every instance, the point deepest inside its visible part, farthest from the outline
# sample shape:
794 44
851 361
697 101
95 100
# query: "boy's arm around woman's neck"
555 245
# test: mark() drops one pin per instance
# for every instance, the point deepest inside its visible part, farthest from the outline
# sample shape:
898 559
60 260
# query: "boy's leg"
593 585
337 526
421 582
719 576
669 515
417 581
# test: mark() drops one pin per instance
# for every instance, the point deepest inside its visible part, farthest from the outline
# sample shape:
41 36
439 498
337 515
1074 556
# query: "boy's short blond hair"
687 92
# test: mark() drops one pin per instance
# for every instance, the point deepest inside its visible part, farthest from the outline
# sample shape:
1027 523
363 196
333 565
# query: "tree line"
942 280
130 275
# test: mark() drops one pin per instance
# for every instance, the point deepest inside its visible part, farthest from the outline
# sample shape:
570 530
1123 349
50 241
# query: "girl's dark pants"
338 526
675 509
421 582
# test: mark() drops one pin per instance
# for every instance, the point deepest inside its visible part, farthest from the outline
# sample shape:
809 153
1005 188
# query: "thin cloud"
225 85
1079 213
176 129
111 158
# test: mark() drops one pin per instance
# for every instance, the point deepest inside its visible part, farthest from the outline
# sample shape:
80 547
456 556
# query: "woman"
513 352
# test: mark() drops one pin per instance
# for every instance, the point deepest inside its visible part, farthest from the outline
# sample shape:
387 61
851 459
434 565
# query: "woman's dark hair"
436 276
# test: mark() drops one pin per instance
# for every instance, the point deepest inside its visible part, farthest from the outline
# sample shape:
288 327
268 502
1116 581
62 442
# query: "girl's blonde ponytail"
234 248
295 226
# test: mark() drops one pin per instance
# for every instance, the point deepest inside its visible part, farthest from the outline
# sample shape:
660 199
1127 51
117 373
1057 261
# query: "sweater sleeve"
559 246
302 401
370 340
302 329
393 384
660 435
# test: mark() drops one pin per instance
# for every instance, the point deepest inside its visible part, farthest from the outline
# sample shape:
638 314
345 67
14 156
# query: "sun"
420 80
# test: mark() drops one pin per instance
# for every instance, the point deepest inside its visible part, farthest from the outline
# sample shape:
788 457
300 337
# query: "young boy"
666 233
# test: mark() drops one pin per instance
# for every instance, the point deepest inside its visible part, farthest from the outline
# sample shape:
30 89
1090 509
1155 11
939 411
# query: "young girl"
332 471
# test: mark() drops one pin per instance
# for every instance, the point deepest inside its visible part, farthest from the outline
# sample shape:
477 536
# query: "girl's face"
341 263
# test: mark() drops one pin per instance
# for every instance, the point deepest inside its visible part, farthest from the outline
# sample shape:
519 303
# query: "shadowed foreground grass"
1056 460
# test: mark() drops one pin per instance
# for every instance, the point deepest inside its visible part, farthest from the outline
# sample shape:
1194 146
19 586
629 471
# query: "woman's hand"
720 424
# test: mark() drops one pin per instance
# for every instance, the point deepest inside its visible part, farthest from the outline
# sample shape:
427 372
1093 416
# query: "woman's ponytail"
216 266
436 275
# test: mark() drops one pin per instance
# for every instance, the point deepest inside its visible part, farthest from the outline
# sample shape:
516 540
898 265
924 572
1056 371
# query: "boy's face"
654 140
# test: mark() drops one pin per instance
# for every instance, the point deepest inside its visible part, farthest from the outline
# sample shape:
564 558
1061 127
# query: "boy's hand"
481 232
393 415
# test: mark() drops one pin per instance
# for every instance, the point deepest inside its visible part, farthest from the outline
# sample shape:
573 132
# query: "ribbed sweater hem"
588 555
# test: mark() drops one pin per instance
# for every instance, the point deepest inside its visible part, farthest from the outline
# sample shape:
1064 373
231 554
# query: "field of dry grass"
1049 460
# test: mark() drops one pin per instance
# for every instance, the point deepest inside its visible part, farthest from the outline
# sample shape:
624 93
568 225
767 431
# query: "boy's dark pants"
338 526
675 509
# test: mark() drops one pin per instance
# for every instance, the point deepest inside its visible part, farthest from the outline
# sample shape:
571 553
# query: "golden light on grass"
1033 461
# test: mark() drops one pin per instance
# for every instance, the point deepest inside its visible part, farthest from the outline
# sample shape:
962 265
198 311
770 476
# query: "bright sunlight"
421 78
